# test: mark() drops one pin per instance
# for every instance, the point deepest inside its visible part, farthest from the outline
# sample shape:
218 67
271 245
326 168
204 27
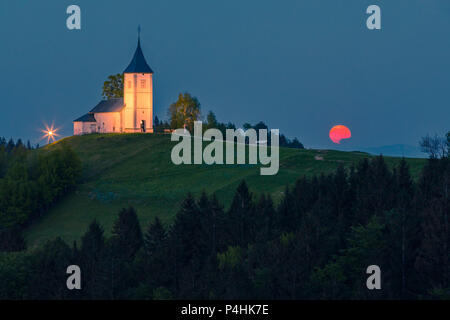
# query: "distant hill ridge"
393 150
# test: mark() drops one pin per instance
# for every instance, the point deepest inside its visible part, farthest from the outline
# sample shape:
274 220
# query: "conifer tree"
265 222
433 263
287 214
217 225
154 237
93 259
127 236
48 271
240 216
154 267
186 247
403 234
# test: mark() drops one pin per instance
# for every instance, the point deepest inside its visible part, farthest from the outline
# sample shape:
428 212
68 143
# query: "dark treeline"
212 123
11 146
30 182
315 244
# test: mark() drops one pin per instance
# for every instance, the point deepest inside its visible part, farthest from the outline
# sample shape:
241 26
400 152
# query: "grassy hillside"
134 169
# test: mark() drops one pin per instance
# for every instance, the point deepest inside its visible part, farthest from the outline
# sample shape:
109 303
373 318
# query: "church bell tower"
138 94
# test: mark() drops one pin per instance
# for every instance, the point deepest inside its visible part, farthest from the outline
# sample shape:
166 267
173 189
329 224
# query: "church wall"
145 101
128 99
138 99
108 122
80 128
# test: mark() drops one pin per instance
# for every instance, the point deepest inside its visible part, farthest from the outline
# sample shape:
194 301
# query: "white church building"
133 112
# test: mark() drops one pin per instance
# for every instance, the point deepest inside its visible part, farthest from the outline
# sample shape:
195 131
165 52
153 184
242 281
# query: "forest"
316 243
30 182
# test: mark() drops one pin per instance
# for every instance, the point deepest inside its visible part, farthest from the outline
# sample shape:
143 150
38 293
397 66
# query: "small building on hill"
133 112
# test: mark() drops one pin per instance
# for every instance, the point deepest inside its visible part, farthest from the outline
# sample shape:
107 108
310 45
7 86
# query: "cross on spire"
139 31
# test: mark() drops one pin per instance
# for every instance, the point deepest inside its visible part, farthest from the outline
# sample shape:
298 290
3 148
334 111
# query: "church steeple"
138 63
133 112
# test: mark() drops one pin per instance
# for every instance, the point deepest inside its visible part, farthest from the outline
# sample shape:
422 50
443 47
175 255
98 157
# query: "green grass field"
120 170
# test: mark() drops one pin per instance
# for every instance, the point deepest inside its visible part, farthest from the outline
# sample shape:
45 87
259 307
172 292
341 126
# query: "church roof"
88 117
138 64
111 105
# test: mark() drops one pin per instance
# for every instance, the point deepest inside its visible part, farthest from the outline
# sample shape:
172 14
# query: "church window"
142 83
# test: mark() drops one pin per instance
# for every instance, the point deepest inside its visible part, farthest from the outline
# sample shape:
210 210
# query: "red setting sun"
339 132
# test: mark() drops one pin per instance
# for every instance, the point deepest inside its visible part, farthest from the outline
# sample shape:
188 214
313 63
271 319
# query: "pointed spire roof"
138 64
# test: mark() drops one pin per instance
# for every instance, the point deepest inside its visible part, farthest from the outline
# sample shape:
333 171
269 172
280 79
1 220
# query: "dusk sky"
302 66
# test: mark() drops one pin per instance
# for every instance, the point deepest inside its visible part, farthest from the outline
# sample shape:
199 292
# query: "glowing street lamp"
50 133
